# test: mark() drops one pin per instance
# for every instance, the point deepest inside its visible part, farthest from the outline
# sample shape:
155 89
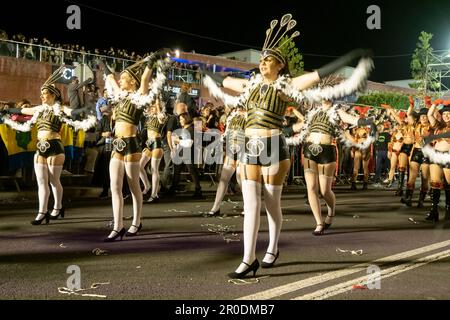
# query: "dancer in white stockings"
49 157
154 124
234 143
126 155
265 160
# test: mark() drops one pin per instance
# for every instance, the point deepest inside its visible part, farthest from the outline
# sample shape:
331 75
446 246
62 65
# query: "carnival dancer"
132 95
265 160
322 126
155 122
439 156
50 156
234 144
405 152
418 161
396 145
360 155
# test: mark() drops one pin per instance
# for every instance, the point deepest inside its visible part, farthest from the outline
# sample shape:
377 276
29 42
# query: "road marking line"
298 285
390 272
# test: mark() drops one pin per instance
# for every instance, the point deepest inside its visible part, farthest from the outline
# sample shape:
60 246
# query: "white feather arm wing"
84 125
354 83
216 92
23 127
436 156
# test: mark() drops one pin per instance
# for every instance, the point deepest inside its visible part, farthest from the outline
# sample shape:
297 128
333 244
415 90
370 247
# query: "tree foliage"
425 79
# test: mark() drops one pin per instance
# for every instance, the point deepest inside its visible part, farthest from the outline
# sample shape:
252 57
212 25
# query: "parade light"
177 53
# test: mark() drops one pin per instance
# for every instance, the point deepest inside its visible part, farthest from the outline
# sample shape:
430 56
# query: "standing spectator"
381 147
169 148
186 151
74 92
102 101
185 98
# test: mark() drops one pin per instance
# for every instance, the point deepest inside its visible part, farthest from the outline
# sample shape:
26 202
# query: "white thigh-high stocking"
251 191
132 171
143 174
272 199
225 176
57 189
116 172
41 171
155 176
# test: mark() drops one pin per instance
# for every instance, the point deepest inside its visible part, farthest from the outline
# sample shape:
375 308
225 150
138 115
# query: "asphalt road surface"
376 249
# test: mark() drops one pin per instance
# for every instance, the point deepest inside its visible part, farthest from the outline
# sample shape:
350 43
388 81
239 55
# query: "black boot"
407 199
401 178
447 204
422 196
353 186
364 185
433 215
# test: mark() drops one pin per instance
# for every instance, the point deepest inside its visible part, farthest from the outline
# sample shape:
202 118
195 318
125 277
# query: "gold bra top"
48 121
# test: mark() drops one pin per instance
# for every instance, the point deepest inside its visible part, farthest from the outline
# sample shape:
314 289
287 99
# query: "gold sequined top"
265 108
47 120
153 123
235 129
321 123
128 112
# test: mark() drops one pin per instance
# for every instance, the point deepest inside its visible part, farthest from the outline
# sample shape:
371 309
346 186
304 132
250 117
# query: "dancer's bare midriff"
48 135
125 130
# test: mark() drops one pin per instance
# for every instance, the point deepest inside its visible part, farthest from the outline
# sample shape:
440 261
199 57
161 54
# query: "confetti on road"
356 216
353 252
99 252
176 211
96 285
246 281
359 287
225 231
412 220
61 245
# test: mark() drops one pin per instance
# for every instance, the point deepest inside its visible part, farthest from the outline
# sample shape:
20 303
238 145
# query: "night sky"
327 28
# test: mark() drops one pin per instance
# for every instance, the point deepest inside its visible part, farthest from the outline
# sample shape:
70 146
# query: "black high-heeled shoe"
213 213
251 267
327 225
320 232
60 213
132 234
46 217
270 264
118 234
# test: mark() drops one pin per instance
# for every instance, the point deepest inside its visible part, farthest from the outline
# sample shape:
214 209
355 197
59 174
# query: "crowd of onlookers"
57 53
72 54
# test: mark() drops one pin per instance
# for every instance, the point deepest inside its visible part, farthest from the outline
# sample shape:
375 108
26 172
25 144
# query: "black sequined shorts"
320 153
406 148
154 143
417 156
126 146
48 148
265 151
